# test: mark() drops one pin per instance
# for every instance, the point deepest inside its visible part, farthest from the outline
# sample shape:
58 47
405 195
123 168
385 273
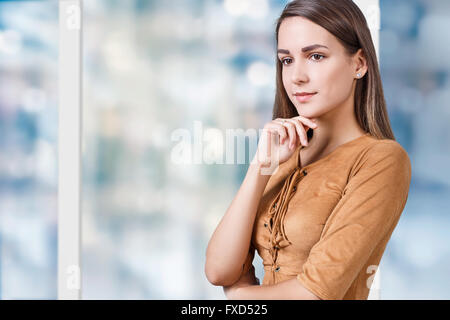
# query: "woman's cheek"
340 89
287 88
285 77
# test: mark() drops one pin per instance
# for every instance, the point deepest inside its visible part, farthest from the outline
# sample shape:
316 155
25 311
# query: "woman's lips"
304 98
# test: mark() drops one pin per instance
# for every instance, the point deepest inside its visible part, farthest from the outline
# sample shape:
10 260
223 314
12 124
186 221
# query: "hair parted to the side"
344 20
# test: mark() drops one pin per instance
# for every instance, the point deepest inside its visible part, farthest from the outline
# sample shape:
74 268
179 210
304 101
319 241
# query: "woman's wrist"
260 169
263 169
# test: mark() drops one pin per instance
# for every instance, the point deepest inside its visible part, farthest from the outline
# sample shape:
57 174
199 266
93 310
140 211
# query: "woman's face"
327 71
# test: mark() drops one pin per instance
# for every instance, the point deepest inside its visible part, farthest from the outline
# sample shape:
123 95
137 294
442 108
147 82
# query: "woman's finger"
280 129
303 133
292 133
306 124
278 124
299 129
306 121
290 128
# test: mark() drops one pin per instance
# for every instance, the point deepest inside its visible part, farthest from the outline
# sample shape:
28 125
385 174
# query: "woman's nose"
299 73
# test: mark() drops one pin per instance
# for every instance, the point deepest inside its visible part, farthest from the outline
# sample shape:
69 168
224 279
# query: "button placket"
278 214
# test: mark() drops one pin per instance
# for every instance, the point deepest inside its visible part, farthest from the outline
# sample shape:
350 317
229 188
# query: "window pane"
415 74
151 67
28 143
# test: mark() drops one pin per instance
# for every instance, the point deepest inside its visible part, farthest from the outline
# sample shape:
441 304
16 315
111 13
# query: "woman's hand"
280 138
248 279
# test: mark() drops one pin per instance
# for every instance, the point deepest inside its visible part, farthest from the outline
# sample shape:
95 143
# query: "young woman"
322 220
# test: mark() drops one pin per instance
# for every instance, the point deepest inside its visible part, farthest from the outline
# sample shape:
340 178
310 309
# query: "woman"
322 219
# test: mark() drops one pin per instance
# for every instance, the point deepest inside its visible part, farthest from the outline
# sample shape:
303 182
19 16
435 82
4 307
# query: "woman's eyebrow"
305 49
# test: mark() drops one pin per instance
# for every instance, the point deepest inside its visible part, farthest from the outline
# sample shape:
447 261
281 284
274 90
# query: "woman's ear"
360 62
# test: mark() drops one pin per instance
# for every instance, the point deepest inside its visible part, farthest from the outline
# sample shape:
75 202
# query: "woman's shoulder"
384 152
386 148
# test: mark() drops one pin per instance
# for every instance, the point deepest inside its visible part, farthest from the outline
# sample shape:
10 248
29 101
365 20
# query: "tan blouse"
327 224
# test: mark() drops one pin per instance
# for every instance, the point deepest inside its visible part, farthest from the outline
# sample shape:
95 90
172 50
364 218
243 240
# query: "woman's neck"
334 130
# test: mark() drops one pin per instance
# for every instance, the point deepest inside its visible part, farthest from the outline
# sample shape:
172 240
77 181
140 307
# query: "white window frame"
69 149
371 10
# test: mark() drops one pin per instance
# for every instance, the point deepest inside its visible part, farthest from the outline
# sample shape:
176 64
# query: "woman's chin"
307 114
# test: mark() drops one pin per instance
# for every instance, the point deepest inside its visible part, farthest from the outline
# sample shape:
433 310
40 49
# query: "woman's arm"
229 245
247 279
248 288
226 252
286 290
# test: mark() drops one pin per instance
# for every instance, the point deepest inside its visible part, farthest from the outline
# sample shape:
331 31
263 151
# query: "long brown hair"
347 23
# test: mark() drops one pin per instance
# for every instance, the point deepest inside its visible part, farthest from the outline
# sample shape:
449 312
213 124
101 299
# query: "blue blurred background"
151 67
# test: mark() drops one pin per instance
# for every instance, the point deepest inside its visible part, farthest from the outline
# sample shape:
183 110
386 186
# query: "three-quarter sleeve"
367 213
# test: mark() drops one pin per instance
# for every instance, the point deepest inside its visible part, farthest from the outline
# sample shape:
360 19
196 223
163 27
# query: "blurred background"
151 67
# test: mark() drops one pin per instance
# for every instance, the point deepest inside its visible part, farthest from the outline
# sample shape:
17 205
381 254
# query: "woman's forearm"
229 244
286 290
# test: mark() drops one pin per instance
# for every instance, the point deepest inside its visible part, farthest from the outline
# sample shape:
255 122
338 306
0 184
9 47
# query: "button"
277 269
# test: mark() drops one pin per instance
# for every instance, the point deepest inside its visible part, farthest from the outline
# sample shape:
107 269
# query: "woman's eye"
317 55
284 60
